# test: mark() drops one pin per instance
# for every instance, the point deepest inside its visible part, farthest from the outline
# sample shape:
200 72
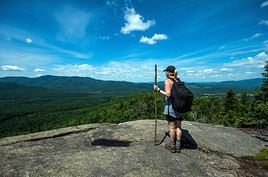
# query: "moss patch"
262 156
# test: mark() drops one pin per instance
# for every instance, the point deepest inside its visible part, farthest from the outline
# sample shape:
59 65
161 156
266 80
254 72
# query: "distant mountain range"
65 84
77 84
220 88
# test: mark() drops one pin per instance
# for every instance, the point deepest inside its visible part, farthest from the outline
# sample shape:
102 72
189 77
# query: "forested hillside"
243 111
78 84
90 85
29 106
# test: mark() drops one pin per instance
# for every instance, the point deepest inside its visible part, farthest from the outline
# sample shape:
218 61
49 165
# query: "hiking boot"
178 146
178 149
170 147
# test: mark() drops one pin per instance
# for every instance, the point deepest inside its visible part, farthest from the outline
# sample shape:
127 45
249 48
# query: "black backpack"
181 97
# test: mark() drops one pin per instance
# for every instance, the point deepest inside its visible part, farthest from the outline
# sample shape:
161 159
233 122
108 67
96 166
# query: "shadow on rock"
109 142
263 138
187 141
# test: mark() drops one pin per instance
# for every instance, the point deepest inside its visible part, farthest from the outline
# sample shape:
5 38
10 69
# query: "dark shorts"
173 119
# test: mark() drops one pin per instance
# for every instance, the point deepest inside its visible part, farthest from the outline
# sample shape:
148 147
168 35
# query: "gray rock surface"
127 149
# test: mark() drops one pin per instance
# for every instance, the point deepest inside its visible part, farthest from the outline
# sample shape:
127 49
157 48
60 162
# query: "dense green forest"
232 110
34 109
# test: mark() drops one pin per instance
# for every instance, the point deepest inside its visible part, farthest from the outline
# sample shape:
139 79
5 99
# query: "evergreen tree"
264 87
244 98
230 102
244 104
258 96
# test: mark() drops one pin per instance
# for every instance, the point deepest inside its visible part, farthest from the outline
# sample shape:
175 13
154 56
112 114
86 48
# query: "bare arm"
167 91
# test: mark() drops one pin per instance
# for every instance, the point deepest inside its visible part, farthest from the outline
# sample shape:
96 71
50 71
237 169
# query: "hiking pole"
155 104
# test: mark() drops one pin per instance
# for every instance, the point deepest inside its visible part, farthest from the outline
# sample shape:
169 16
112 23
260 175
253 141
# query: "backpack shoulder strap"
178 81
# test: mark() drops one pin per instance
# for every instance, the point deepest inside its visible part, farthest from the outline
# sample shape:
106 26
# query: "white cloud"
255 61
201 71
249 72
186 68
225 69
38 70
135 22
208 70
29 40
143 70
11 68
263 22
75 70
262 55
153 39
261 66
114 70
73 23
256 35
190 71
265 3
215 75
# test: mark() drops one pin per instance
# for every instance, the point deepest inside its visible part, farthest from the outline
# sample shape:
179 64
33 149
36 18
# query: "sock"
178 142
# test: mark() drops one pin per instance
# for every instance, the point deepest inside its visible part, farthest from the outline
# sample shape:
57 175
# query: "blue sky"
206 40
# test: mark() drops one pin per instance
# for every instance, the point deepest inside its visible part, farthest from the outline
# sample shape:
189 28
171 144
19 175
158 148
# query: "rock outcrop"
128 149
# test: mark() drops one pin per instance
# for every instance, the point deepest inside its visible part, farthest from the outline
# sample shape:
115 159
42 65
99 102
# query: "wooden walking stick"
155 104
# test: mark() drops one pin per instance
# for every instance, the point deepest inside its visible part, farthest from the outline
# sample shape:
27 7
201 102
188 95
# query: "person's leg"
172 132
178 130
178 136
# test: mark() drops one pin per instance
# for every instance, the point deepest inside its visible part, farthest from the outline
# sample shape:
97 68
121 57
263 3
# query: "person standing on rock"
173 117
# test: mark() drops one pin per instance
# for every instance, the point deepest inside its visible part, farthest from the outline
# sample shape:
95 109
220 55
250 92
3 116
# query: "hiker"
174 118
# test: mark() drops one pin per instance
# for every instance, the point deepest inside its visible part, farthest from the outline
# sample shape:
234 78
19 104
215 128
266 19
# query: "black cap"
170 68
